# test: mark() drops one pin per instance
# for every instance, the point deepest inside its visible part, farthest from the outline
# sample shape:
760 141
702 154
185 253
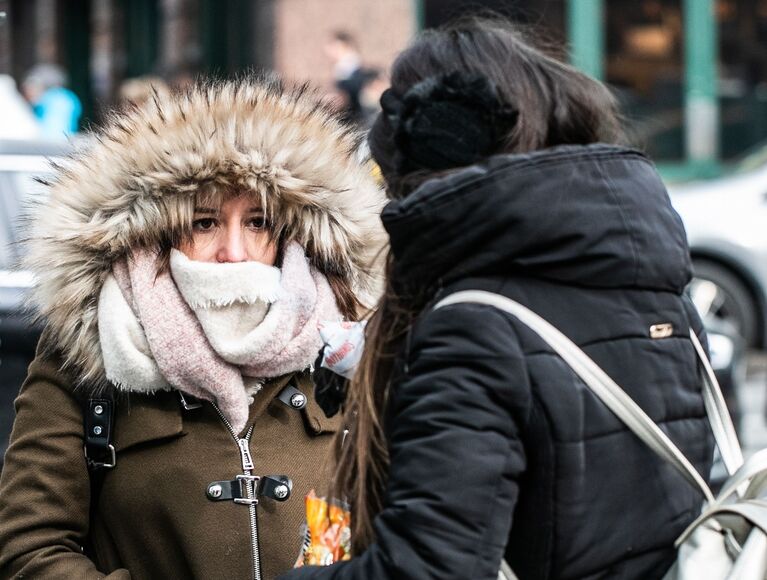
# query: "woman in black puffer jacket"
471 440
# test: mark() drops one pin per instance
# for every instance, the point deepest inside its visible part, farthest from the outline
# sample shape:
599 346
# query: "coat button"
97 430
215 491
98 409
281 491
298 401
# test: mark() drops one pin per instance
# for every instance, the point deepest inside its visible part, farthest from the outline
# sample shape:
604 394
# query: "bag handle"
595 379
718 415
754 465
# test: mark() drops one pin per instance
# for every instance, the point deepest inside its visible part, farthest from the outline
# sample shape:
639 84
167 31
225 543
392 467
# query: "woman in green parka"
183 263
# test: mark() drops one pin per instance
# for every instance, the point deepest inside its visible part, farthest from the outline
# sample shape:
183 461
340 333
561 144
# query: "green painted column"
141 36
701 102
76 23
419 15
226 31
586 29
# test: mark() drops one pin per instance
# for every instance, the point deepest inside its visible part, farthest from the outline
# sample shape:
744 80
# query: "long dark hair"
553 104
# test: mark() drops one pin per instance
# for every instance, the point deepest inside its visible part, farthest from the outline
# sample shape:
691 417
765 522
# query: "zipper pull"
247 460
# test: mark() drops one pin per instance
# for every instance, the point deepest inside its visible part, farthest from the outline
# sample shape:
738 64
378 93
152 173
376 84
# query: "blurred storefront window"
644 64
742 74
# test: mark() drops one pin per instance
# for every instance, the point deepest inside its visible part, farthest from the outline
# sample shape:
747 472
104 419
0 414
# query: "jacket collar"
594 216
161 415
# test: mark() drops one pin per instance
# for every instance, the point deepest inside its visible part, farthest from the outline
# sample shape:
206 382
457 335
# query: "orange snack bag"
328 533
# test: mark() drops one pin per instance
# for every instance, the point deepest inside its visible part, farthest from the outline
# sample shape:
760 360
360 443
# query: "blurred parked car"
20 163
726 223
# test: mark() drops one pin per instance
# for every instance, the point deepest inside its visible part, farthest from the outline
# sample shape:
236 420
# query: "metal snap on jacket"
281 491
98 409
247 489
298 401
292 397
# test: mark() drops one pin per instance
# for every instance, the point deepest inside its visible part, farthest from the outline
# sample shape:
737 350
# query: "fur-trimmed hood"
136 185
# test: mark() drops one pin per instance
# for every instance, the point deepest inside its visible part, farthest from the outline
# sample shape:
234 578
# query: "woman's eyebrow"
256 209
205 210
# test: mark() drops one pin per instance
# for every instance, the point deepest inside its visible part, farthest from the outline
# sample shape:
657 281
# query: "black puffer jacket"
496 447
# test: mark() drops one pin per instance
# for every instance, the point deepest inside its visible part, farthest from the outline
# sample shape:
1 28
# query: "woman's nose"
232 247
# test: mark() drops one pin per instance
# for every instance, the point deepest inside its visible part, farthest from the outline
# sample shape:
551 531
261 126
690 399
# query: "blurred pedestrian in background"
349 75
56 107
470 440
370 97
183 263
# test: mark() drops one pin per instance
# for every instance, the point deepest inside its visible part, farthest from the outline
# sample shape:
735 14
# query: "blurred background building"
691 74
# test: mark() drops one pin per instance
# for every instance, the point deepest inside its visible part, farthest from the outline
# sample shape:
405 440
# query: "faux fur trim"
135 187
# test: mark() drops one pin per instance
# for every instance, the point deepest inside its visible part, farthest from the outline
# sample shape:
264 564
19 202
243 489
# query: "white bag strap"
718 415
595 379
752 511
752 562
748 474
505 572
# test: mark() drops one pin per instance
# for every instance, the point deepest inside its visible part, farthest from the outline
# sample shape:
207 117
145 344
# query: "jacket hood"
136 184
592 216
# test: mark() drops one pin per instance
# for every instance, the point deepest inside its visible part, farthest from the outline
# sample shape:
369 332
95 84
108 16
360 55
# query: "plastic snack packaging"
344 343
328 533
342 346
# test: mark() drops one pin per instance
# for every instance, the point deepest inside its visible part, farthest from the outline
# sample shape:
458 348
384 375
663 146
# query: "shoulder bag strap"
595 379
98 422
718 415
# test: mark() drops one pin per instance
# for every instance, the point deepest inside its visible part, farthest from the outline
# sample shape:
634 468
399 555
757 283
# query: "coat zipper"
250 488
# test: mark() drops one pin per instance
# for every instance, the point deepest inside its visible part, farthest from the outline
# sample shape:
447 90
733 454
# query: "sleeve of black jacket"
456 454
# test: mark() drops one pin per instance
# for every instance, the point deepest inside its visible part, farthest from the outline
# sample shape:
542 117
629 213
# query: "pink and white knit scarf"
200 328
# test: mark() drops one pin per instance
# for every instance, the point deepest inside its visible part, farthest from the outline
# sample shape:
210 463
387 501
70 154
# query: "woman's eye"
258 223
203 224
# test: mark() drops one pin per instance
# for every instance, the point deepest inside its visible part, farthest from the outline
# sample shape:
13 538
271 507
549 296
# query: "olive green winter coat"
136 185
153 518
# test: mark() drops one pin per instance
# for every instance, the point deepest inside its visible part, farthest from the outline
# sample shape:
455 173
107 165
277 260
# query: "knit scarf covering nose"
201 327
230 300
